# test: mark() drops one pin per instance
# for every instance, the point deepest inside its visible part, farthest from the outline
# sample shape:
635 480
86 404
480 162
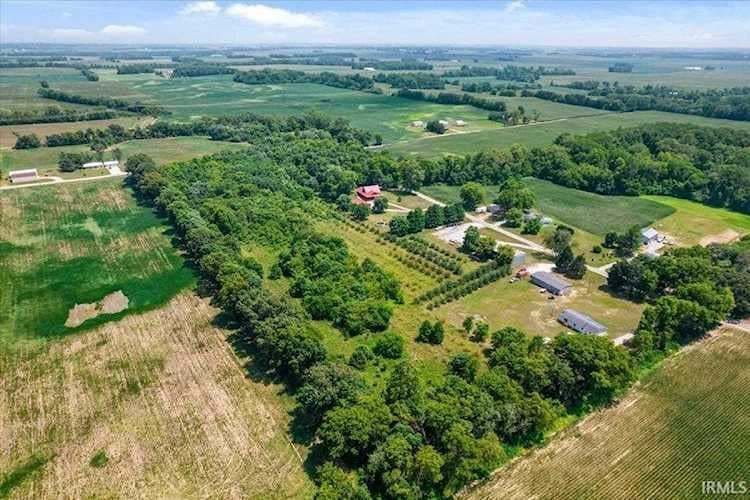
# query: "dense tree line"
89 75
706 164
504 89
201 69
246 127
107 102
132 69
277 76
730 104
53 114
455 99
403 65
527 74
411 80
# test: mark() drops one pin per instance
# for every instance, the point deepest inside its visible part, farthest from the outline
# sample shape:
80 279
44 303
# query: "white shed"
21 176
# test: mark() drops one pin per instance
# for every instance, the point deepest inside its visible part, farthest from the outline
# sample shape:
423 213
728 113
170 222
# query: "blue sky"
696 24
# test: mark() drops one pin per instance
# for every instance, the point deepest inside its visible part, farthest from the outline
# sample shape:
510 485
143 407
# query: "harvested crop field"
687 422
155 405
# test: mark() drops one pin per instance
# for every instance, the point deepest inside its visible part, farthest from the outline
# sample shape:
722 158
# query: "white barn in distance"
21 176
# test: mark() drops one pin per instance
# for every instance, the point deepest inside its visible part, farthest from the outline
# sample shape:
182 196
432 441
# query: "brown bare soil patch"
166 399
110 304
726 236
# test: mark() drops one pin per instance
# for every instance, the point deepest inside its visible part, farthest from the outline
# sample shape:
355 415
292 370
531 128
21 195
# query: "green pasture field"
163 150
595 213
591 212
543 133
73 244
18 87
694 223
521 305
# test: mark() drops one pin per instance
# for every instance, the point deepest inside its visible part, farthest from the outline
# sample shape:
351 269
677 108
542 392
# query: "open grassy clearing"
596 213
591 212
75 244
693 223
164 150
543 133
8 139
685 423
521 305
18 87
154 405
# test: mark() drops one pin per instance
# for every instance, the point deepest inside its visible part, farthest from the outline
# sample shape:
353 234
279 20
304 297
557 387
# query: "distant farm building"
581 323
21 176
460 123
101 164
624 339
481 209
366 195
649 235
495 209
417 123
368 68
551 282
444 123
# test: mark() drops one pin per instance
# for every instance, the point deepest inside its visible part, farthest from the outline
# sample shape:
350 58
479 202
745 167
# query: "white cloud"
514 6
122 30
72 33
206 7
272 16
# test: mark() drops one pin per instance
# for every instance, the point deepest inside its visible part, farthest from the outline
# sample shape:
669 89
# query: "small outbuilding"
481 209
460 123
366 195
93 164
581 323
551 282
649 235
417 123
444 123
21 176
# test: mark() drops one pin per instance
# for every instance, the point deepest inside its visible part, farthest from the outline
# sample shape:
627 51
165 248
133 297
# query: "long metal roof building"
551 282
581 323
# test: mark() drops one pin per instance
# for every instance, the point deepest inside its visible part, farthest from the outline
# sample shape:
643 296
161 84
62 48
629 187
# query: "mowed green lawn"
72 244
543 133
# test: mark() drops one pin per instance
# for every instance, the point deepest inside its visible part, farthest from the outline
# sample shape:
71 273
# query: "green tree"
336 484
472 195
379 205
398 226
360 212
326 386
436 127
513 194
577 268
361 356
27 141
416 220
389 345
471 240
564 260
514 217
559 240
434 216
532 226
468 323
464 365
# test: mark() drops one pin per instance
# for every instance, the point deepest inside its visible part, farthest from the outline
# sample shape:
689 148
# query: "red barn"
366 195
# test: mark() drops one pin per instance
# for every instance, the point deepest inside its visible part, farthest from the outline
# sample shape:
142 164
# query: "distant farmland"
685 423
542 133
